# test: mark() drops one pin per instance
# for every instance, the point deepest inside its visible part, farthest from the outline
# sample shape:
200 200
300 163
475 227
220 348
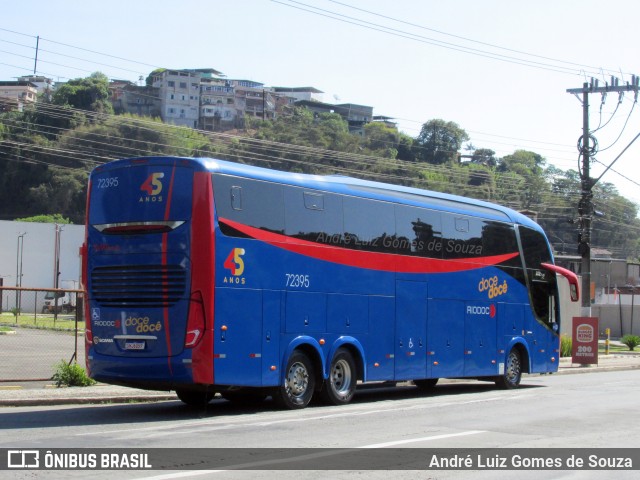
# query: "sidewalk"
14 395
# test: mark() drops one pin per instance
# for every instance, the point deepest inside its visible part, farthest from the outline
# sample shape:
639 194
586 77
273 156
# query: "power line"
440 43
500 47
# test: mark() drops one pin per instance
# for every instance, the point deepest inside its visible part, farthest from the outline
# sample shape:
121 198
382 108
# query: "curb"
93 400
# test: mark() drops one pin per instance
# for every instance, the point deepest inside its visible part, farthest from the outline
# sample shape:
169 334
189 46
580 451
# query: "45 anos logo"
235 264
152 186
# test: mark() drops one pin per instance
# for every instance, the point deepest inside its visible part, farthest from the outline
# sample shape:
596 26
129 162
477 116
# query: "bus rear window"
130 194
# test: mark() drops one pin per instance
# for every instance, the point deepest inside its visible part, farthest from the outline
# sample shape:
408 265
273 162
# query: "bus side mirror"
574 291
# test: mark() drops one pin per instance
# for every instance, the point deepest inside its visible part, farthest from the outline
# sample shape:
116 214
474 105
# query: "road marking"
300 458
423 439
293 417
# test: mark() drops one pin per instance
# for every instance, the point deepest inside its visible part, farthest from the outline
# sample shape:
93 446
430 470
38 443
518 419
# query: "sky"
500 69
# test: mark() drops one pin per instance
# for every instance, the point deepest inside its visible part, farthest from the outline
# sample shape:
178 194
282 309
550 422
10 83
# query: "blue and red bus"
205 276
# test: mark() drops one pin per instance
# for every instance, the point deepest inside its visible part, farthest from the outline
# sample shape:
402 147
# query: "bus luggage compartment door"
237 348
445 354
411 330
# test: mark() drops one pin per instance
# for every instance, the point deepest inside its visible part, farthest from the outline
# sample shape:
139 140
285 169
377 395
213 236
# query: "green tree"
439 142
64 193
530 166
484 156
55 218
128 135
91 93
381 139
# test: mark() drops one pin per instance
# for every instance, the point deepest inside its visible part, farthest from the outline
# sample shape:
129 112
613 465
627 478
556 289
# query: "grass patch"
566 343
43 321
612 348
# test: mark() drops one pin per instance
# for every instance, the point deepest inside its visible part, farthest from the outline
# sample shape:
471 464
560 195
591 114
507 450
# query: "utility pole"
587 146
35 63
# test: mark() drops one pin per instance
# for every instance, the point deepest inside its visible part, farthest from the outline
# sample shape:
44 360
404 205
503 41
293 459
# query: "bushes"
72 375
631 341
565 346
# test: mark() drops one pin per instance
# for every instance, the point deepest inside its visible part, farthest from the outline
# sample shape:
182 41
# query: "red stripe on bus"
165 281
202 271
388 262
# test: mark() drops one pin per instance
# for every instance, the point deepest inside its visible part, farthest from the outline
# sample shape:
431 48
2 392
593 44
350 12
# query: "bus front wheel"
296 389
512 371
340 387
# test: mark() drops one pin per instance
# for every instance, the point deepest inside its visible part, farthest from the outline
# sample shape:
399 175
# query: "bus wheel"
298 383
195 398
426 384
339 388
512 371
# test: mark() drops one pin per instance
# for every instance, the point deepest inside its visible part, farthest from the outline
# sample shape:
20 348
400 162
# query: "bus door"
237 348
411 330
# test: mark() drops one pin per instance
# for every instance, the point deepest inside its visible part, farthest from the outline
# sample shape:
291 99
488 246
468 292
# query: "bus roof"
349 186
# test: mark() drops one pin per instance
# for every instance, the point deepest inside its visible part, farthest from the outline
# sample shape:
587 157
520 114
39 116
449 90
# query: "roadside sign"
584 347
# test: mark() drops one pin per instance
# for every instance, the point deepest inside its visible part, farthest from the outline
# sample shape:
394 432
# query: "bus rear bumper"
145 373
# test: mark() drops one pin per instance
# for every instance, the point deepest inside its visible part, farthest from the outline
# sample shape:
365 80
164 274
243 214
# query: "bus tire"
512 371
195 398
297 385
340 387
426 384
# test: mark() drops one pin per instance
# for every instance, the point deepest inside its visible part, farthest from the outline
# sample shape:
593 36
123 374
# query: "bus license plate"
134 346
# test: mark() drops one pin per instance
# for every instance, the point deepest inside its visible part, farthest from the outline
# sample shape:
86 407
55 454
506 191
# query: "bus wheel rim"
513 368
341 377
297 380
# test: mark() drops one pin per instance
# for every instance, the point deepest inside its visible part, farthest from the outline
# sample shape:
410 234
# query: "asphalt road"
31 354
596 410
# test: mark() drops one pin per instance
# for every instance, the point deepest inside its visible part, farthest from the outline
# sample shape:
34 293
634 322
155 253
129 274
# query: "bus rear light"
138 228
192 338
196 321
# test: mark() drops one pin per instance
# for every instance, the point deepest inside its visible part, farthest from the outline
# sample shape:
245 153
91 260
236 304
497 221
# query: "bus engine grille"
138 285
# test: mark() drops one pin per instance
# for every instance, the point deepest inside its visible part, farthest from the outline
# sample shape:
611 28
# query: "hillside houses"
202 98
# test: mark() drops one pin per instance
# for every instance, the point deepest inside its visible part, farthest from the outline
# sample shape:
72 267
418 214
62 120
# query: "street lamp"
19 252
56 262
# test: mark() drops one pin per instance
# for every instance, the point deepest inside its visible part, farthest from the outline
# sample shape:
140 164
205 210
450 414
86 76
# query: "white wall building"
36 258
179 96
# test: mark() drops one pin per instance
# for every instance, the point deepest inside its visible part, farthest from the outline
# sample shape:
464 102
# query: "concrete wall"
38 257
618 318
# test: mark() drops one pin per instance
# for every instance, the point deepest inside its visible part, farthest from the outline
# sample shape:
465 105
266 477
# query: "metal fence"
38 329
